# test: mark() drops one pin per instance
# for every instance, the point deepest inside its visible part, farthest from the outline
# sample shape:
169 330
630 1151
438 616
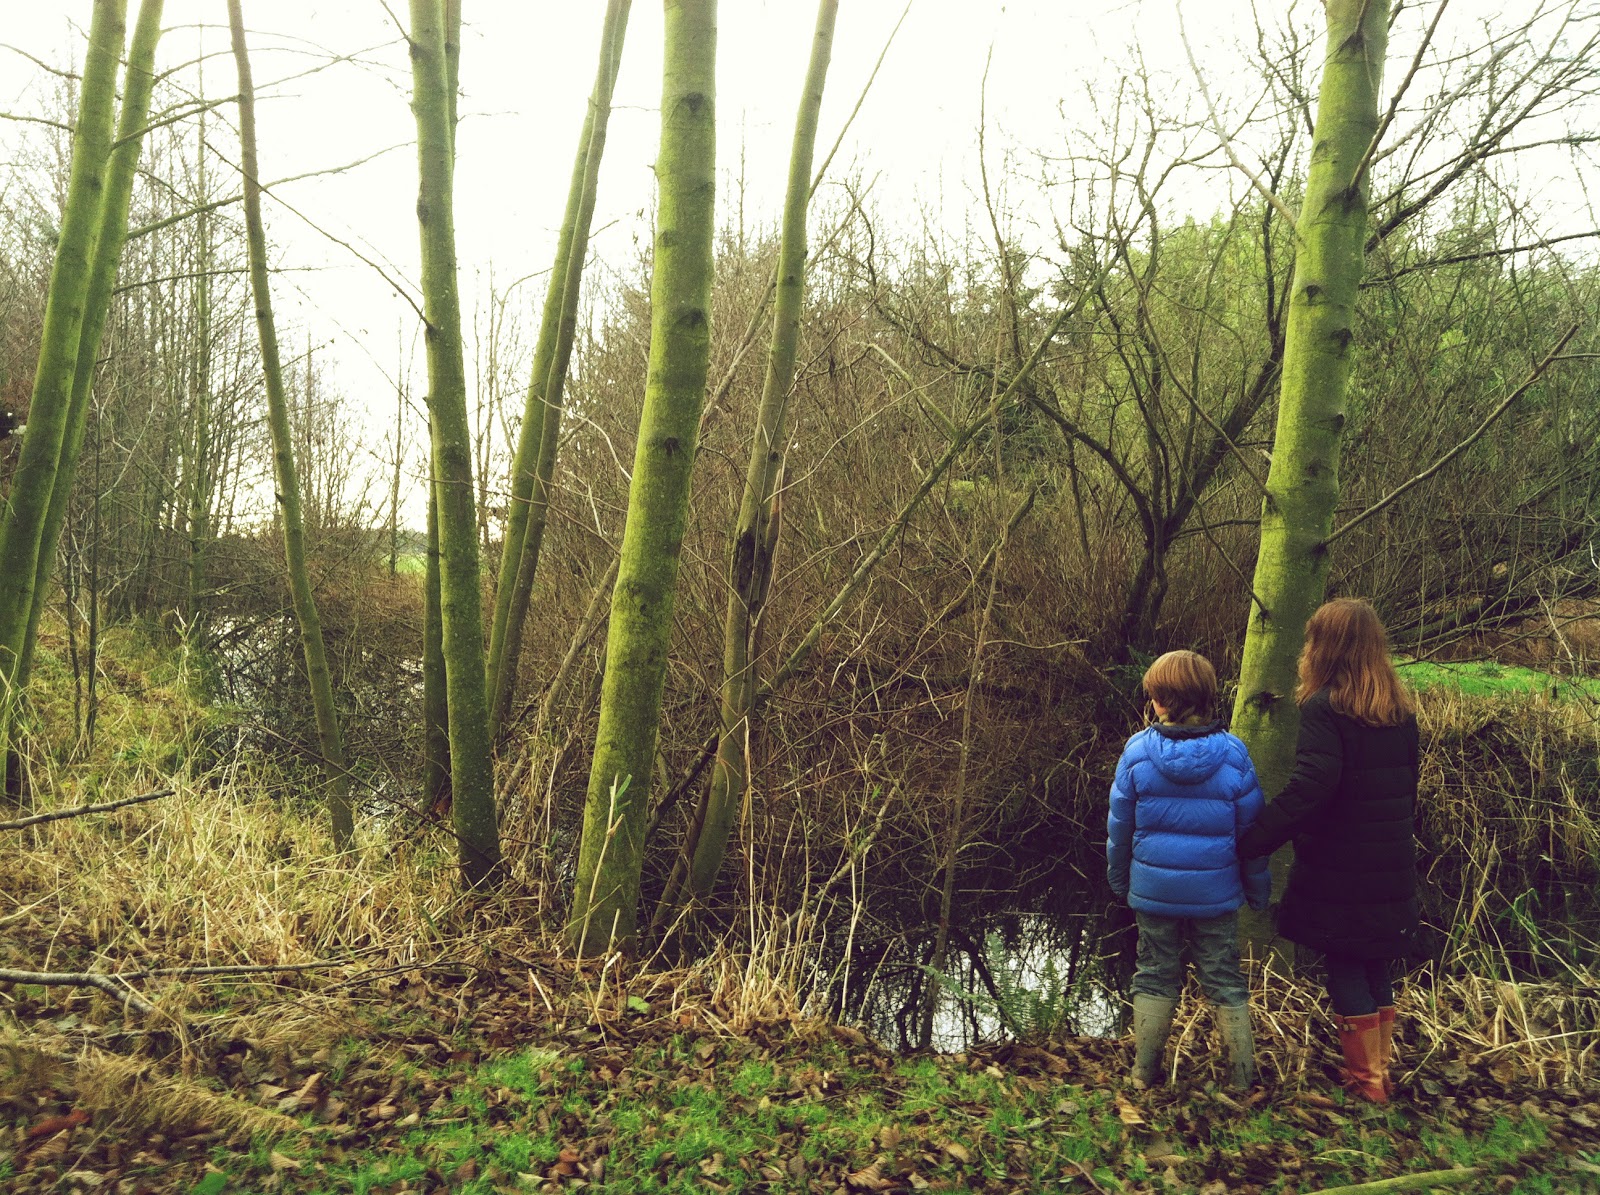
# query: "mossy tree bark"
435 704
606 894
754 540
435 701
285 476
1319 350
112 232
534 464
22 535
460 606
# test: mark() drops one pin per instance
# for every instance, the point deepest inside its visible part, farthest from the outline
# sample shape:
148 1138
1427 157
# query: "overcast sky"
526 70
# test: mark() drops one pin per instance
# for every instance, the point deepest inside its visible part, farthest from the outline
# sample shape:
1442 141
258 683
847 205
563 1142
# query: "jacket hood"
1188 754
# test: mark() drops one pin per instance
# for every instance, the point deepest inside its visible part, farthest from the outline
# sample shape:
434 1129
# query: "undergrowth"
438 1043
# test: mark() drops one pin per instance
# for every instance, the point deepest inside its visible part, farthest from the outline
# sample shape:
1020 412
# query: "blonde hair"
1183 683
1347 653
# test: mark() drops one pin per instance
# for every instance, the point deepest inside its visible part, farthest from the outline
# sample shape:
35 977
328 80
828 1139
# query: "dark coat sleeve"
1318 761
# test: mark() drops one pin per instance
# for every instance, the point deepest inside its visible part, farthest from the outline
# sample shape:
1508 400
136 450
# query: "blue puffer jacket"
1183 797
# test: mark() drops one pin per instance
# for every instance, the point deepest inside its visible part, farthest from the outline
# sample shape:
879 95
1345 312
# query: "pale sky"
526 71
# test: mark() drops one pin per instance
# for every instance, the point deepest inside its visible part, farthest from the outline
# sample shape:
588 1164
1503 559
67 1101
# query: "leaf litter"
458 1081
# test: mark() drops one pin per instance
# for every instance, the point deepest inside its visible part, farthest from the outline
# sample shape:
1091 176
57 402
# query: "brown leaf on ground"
307 1095
52 1150
1127 1113
957 1151
869 1178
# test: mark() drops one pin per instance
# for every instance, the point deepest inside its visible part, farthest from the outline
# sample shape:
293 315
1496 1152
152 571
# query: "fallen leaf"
1215 1187
1127 1113
889 1136
796 1166
52 1150
869 1178
307 1095
957 1151
281 1162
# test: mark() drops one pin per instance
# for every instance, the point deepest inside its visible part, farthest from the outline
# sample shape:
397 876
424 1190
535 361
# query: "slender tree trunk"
200 438
435 694
435 705
22 535
606 896
461 621
534 465
1303 483
284 473
750 568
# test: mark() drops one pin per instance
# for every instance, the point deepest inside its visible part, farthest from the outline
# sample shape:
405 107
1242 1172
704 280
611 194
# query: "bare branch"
1394 104
56 815
1267 192
82 979
1472 438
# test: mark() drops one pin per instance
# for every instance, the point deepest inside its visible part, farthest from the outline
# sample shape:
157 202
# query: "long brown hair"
1347 653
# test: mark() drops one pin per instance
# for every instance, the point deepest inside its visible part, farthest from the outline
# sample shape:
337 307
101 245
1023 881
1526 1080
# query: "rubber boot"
1360 1039
1233 1022
1386 1045
1152 1021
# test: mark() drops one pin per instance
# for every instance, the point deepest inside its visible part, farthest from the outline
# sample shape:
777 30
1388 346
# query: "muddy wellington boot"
1233 1022
1360 1039
1386 1046
1152 1021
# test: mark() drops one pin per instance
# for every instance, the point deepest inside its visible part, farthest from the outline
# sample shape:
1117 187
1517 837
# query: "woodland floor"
515 1076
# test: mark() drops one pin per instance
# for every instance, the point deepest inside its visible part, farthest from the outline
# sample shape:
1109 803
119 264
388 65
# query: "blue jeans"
1358 986
1214 950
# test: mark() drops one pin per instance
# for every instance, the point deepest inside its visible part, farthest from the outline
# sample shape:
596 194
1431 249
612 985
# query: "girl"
1349 806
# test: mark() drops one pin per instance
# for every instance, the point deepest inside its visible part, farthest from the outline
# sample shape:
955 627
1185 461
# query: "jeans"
1214 950
1358 986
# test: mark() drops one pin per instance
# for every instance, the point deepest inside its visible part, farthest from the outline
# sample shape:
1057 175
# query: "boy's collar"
1189 728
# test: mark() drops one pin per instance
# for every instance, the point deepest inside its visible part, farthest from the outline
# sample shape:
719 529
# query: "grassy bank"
534 1075
418 1042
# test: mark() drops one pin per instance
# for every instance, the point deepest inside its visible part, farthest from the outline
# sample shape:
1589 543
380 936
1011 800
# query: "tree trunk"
606 895
200 440
284 474
750 569
1303 483
22 535
435 706
112 231
460 604
534 464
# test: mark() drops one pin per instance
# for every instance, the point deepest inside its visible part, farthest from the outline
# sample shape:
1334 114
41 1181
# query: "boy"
1185 793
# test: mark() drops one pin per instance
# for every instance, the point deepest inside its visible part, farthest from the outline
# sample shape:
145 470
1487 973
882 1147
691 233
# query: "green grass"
411 564
1485 678
675 1119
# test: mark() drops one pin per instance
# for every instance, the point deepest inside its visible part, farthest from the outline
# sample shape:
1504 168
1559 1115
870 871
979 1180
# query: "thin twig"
1267 192
80 810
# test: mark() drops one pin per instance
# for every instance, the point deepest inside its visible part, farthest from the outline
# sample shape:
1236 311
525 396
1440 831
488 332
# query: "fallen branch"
82 979
1422 1181
80 810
